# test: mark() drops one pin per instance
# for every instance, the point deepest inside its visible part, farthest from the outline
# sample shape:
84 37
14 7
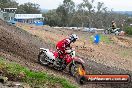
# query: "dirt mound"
122 41
19 42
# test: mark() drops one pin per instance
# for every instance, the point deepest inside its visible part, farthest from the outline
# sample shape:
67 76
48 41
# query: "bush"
128 30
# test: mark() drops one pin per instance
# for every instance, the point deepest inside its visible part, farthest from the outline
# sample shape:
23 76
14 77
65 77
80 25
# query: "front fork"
79 70
73 62
74 65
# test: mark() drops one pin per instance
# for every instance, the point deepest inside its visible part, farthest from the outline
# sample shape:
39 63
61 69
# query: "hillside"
22 46
17 76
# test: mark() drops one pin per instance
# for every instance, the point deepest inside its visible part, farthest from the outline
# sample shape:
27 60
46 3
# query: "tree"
8 4
52 18
86 9
66 11
28 8
86 14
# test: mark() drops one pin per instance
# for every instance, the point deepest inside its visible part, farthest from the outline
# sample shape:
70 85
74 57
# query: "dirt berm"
20 46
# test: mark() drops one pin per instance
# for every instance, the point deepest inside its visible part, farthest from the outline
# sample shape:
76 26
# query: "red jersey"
63 44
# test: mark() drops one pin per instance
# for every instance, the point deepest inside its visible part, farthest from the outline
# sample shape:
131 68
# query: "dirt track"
22 47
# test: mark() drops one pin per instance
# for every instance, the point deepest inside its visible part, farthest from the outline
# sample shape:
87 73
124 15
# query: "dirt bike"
114 31
48 57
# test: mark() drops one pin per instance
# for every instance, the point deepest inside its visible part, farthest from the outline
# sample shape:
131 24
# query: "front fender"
76 59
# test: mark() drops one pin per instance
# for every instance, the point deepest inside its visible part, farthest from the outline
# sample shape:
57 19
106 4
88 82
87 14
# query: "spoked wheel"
43 59
74 69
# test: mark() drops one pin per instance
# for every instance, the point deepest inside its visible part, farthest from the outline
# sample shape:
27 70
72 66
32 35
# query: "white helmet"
73 37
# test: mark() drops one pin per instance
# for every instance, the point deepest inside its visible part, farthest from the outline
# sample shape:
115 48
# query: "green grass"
105 39
91 39
31 77
128 30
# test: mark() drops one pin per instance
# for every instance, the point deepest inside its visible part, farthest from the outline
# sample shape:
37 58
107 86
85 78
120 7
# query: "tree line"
26 8
85 14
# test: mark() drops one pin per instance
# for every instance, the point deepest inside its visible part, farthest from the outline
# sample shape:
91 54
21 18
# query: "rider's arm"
67 45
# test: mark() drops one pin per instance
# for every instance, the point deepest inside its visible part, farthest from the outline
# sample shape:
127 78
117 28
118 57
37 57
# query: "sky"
116 5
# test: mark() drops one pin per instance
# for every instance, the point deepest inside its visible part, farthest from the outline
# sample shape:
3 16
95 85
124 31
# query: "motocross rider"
113 25
64 44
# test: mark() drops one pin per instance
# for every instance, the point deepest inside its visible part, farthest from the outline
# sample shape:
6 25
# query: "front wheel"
74 68
43 59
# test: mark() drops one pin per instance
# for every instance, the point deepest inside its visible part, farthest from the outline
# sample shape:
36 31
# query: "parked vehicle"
112 31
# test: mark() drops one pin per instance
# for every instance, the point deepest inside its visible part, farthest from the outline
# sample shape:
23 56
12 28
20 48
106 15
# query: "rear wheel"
43 59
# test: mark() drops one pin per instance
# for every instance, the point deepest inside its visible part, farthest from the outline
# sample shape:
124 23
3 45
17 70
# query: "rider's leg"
60 53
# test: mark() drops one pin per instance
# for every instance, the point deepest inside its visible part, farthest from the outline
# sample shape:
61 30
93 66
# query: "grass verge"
105 39
16 72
